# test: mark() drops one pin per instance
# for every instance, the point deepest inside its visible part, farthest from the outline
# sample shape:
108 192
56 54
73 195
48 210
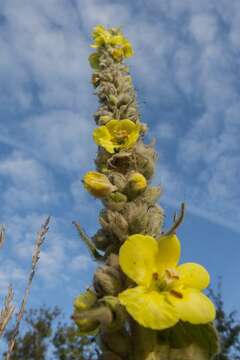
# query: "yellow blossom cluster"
118 45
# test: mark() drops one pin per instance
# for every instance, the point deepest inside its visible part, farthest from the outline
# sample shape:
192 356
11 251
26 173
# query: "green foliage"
228 327
46 336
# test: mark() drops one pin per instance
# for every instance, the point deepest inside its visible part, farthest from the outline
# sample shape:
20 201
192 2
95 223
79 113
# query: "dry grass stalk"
36 255
7 311
2 235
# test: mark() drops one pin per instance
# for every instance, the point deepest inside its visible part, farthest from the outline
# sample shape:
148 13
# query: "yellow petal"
194 307
137 258
117 40
132 138
150 309
117 54
127 49
102 137
193 275
112 125
169 250
129 125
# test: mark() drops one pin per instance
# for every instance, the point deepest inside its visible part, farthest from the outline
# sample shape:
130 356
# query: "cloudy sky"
186 71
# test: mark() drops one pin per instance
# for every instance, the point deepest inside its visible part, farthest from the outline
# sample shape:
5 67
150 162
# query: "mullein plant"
142 305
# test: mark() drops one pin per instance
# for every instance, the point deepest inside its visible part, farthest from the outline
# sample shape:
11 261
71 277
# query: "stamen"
155 276
120 135
172 274
177 294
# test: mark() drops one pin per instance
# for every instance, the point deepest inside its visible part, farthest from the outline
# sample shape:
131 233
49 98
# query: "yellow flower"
119 46
84 302
165 292
101 36
122 50
117 134
137 181
98 184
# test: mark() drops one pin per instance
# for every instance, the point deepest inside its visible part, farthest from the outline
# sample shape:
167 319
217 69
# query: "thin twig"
2 235
7 311
178 219
88 242
36 255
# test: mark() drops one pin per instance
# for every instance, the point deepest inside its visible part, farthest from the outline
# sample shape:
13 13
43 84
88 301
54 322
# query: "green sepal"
185 334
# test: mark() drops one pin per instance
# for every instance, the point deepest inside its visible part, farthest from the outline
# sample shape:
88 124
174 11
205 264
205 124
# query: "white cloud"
203 27
165 130
28 183
63 137
81 262
10 273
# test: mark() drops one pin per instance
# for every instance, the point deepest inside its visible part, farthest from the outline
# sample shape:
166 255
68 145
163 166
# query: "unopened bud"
87 327
112 99
82 303
98 184
101 240
118 197
85 300
107 281
118 180
104 119
137 182
118 311
94 61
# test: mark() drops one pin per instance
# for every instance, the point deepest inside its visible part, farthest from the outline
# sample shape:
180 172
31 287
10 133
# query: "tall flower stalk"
142 304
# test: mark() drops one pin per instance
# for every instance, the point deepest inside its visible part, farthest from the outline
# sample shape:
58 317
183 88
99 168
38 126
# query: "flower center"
166 281
120 136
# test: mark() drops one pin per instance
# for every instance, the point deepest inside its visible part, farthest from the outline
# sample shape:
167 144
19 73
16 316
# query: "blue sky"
185 69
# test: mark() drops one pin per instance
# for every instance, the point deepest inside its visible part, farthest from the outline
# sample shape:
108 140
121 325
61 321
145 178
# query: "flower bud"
118 197
118 180
137 182
112 100
87 327
113 260
104 119
107 281
101 240
116 201
98 184
94 61
145 159
118 311
115 223
124 99
85 300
